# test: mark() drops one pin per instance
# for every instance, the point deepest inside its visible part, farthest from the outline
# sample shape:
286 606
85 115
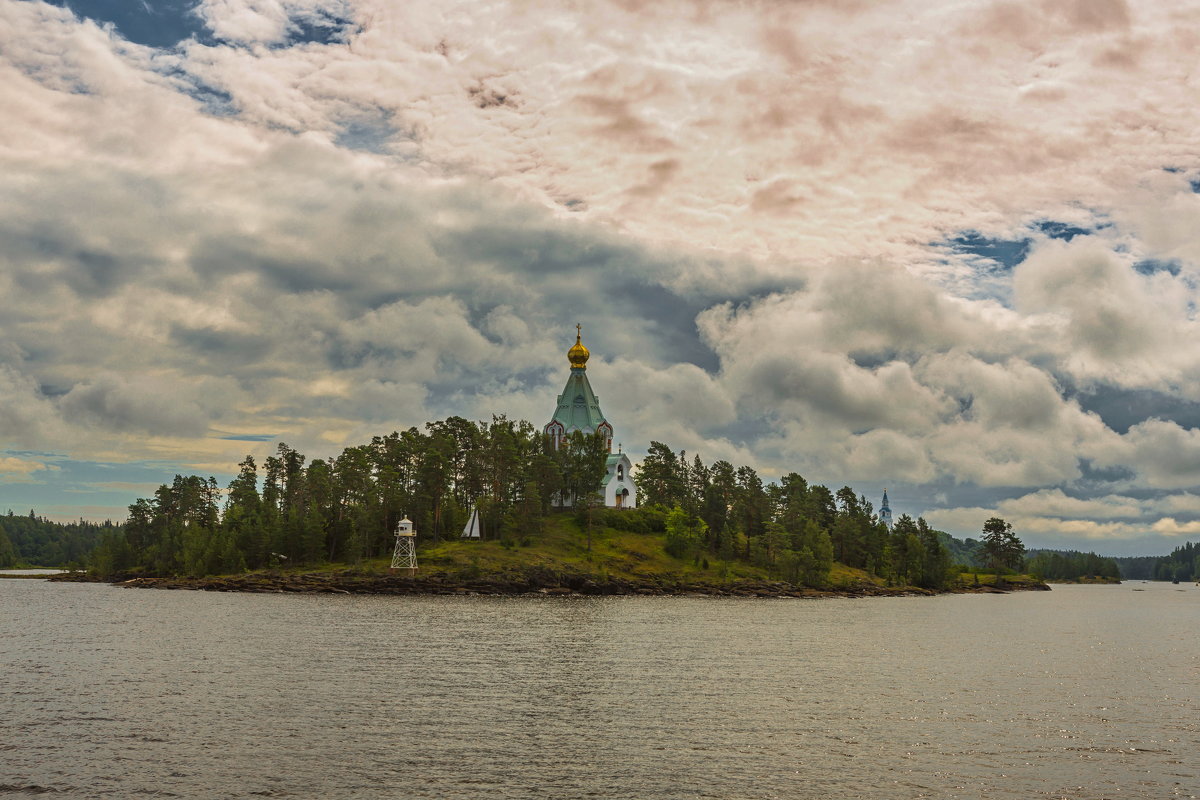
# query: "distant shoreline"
1089 581
526 585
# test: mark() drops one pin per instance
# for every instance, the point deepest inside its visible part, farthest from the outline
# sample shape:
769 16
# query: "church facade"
578 409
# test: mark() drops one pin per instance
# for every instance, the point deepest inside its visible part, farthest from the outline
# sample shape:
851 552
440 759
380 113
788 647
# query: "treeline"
346 509
791 526
30 540
967 552
1068 565
1137 568
1180 565
1183 564
291 511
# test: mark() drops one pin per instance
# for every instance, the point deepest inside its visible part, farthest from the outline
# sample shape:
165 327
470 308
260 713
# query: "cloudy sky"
950 248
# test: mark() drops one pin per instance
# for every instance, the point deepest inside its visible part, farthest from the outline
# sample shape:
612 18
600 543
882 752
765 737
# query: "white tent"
473 530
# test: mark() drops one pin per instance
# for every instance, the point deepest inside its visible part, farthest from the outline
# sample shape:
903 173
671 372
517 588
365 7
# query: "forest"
1137 568
35 541
1069 565
292 511
1183 564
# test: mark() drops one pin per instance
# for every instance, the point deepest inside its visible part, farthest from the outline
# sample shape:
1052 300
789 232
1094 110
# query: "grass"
992 579
562 545
842 576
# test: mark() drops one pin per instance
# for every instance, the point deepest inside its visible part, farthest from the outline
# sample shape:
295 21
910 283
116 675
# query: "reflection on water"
1083 692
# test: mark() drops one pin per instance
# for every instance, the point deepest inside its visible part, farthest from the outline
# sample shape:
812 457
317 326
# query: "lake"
1082 692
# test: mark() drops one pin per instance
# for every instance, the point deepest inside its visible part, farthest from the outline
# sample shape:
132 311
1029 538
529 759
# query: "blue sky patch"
217 102
1061 230
327 28
154 23
1006 252
369 132
166 23
1149 266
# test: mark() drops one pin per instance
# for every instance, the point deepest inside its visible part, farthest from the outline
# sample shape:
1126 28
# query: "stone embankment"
532 583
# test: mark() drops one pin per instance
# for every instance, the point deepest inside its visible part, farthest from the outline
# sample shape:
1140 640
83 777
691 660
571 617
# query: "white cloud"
264 22
20 470
1056 503
1168 526
1163 454
1114 325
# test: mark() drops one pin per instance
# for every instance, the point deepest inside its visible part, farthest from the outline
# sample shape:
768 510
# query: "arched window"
620 472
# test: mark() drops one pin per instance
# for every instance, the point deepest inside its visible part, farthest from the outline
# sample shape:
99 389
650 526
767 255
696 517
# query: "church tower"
885 512
579 410
578 407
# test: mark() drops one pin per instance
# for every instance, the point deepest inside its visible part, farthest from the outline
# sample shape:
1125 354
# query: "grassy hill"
563 546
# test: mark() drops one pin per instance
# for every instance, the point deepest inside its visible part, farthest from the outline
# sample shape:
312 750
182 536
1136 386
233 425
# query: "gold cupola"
578 354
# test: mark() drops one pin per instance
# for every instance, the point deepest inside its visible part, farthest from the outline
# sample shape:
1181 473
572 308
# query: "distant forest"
38 542
1066 565
1138 568
1183 564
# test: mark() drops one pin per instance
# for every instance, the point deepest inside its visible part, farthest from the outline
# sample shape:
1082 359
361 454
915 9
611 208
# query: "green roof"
578 407
613 459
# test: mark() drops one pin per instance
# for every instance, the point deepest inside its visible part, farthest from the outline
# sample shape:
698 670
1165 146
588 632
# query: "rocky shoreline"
534 583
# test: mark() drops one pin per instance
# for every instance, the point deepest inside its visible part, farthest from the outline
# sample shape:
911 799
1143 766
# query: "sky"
947 248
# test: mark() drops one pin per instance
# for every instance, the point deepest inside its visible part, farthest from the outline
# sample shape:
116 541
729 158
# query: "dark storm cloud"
143 405
1121 408
80 229
225 347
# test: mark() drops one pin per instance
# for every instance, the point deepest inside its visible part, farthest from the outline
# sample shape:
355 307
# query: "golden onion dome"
578 354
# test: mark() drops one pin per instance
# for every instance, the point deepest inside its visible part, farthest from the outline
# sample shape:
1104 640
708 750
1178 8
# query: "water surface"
34 571
1083 692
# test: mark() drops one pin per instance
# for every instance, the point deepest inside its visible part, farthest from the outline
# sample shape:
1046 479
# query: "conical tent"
472 529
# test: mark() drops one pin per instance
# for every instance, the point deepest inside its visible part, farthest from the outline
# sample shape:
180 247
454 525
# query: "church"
579 410
885 512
